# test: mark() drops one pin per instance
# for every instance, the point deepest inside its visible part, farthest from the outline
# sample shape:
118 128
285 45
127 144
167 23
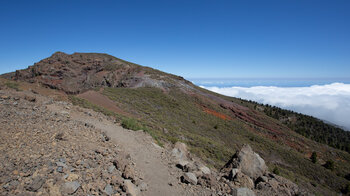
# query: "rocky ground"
46 153
54 148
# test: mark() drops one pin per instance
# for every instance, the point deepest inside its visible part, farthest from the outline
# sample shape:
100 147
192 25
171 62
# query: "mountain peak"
77 72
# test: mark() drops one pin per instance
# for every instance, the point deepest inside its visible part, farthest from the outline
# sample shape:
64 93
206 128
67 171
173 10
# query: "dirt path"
150 159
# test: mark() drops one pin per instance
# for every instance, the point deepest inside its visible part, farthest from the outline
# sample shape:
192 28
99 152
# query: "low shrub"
130 123
276 170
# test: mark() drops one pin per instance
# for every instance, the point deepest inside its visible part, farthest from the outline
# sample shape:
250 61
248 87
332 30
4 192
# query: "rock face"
248 162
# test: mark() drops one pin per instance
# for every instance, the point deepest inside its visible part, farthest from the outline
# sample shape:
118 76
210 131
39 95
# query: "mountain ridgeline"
214 126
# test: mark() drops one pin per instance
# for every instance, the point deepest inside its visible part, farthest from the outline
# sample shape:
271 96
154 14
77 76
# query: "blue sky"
194 39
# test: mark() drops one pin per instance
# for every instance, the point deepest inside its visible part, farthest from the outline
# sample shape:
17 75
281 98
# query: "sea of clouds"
330 102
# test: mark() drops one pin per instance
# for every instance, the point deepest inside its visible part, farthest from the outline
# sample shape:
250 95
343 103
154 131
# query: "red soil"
217 114
100 100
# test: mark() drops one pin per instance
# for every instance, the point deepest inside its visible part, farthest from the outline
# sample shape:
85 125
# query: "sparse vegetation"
313 157
308 126
130 123
184 120
276 170
13 85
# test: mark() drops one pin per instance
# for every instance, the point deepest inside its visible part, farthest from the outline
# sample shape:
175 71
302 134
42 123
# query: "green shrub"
276 170
130 123
171 139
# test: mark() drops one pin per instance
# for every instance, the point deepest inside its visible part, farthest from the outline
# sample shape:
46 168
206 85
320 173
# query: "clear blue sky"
282 38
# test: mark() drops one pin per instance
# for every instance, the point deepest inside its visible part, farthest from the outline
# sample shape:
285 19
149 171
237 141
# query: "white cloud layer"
329 102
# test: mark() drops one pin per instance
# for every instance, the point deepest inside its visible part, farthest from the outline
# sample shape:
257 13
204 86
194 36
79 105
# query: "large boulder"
248 162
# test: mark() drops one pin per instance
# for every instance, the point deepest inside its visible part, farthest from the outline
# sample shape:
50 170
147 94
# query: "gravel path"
151 160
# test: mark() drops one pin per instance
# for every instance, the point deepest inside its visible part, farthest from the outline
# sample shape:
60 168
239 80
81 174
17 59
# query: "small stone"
244 181
11 186
129 172
59 169
15 172
233 174
104 137
72 177
205 170
116 180
262 179
36 184
108 189
70 187
30 98
111 169
143 186
59 136
119 164
130 188
61 164
189 178
182 164
4 97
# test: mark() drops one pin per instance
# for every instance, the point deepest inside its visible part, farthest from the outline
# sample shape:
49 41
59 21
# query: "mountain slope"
173 109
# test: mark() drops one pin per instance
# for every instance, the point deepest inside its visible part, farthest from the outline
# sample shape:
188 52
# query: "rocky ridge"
78 72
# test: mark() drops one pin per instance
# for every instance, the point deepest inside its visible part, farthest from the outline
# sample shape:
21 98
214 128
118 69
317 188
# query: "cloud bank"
329 102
